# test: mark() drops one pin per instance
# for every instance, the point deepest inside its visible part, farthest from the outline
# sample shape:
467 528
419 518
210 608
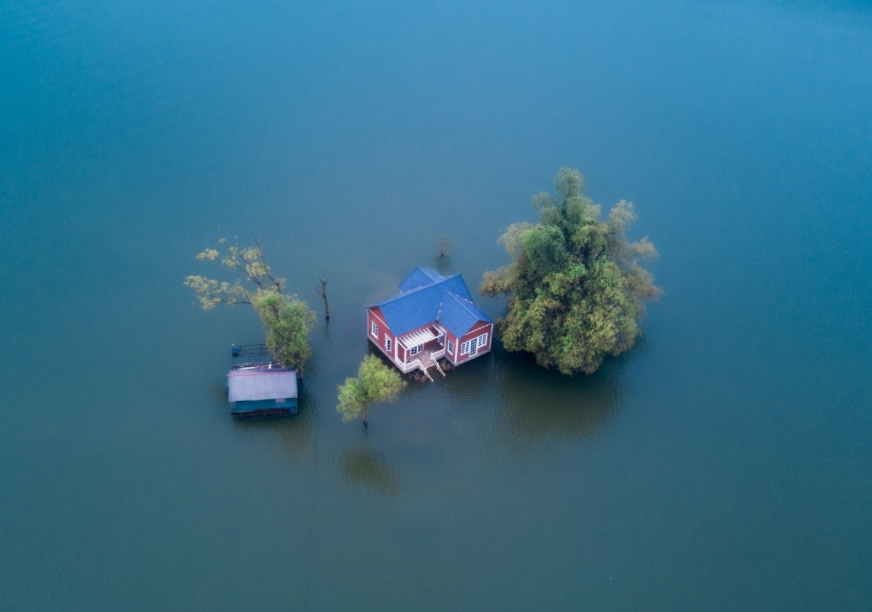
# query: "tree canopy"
288 320
250 261
375 383
575 289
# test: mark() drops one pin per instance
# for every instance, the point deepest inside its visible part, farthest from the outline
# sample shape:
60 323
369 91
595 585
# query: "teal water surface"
722 464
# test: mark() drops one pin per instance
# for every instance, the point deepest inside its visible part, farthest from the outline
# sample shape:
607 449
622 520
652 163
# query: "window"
387 343
375 330
450 347
416 349
471 347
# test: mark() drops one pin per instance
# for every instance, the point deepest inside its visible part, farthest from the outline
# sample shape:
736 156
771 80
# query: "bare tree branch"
266 267
323 293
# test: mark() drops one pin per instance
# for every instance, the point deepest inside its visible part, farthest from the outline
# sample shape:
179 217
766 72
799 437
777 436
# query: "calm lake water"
723 464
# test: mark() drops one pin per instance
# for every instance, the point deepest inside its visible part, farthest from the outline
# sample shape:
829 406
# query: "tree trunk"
323 293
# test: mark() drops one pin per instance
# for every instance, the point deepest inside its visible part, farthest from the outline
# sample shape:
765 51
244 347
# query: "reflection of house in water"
260 388
432 317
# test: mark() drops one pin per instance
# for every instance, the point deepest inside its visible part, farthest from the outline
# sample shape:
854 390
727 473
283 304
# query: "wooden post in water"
323 293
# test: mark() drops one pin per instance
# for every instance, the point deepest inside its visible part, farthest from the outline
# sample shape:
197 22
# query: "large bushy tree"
375 383
575 289
288 320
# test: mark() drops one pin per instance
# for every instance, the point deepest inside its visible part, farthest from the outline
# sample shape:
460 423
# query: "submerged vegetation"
288 320
375 383
444 246
575 289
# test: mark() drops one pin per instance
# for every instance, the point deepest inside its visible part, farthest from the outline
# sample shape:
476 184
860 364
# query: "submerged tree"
575 289
323 293
375 383
444 246
287 319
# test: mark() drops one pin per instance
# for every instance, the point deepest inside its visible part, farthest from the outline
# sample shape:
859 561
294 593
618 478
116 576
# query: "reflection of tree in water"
531 406
537 407
295 433
442 265
369 468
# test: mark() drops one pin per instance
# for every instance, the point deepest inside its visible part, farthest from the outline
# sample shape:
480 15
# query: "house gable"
459 314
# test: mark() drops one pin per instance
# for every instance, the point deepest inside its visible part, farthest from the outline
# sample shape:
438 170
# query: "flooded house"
432 317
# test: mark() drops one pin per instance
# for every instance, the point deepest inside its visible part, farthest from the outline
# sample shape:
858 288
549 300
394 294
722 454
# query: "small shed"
262 390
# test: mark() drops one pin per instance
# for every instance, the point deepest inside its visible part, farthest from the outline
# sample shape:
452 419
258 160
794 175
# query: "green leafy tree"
288 320
375 383
575 289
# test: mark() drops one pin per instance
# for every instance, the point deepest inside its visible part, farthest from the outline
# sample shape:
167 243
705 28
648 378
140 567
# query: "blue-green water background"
723 464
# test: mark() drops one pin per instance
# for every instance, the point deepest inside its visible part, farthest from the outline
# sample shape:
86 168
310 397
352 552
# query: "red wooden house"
432 317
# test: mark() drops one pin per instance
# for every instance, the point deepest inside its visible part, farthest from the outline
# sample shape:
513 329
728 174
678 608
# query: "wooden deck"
429 359
426 356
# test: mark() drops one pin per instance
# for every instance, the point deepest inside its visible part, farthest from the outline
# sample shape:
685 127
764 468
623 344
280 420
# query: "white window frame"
414 350
450 347
470 347
374 330
388 343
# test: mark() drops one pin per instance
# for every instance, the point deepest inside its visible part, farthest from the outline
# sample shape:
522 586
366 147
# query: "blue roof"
421 277
458 314
426 297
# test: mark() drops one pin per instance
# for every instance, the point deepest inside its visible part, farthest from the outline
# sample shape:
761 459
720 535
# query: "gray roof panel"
253 385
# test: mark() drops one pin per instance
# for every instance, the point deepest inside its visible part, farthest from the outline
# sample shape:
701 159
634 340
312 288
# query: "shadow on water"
533 407
368 468
443 265
523 405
